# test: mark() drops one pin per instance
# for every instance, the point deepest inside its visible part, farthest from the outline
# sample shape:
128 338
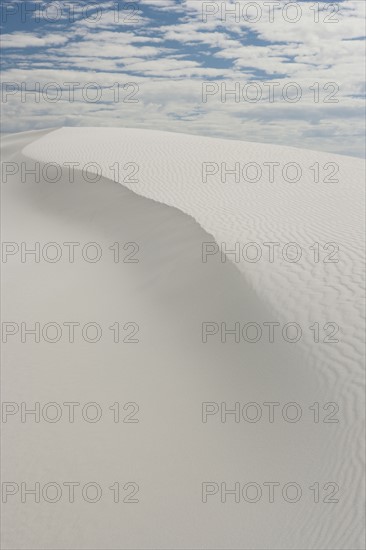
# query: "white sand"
170 452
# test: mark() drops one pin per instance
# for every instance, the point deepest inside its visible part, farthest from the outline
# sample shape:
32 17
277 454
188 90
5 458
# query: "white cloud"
29 40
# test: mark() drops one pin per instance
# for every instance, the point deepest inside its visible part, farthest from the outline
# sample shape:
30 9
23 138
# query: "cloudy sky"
293 75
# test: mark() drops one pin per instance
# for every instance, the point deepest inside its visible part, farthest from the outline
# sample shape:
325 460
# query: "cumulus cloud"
30 40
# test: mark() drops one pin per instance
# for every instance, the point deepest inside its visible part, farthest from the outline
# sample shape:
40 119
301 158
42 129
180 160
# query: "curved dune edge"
306 212
224 217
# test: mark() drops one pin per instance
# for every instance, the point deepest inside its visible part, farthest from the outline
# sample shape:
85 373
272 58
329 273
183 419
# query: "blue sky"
161 54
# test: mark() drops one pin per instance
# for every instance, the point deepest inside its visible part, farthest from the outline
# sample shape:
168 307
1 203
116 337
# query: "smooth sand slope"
170 372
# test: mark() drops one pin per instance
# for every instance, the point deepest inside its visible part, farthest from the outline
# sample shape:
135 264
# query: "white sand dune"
170 372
